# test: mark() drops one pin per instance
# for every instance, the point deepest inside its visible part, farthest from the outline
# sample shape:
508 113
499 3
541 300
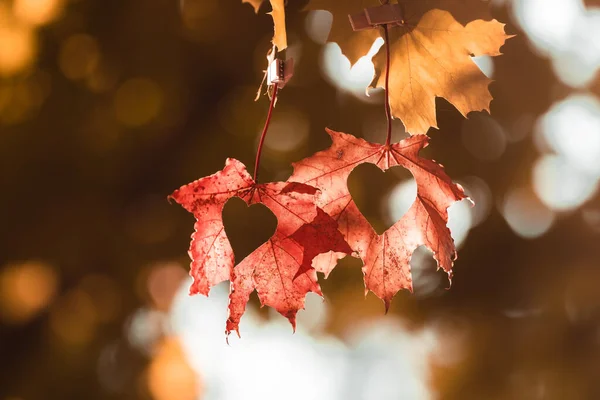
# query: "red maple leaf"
386 257
303 231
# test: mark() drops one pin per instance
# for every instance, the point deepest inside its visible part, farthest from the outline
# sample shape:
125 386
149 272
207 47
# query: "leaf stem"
388 110
264 132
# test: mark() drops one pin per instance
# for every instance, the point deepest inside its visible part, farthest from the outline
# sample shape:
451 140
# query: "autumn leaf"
430 55
386 257
278 15
434 60
303 231
254 3
355 45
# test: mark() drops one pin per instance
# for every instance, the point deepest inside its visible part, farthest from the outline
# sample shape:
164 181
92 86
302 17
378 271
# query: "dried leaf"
254 3
354 45
386 257
278 14
303 231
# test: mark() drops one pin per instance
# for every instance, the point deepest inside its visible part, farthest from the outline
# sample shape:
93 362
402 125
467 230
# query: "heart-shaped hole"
247 227
382 197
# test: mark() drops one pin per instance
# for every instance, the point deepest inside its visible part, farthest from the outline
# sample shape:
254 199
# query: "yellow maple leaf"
354 45
430 54
278 15
434 60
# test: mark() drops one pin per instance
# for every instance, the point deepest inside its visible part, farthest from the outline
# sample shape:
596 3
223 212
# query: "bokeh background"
107 106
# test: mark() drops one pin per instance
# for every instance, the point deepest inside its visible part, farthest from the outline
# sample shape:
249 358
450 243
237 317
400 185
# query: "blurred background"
108 106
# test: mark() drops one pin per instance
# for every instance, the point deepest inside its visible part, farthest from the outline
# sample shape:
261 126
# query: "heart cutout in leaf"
386 257
247 226
303 232
370 187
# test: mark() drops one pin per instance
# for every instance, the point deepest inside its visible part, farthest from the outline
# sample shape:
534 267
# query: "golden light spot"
14 105
202 22
169 375
37 12
18 47
197 13
25 290
137 102
78 57
73 318
21 99
103 78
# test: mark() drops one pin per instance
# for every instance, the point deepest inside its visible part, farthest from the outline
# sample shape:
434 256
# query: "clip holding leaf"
372 17
280 72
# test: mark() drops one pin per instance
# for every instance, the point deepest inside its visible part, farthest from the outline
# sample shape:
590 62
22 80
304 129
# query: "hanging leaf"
303 231
254 3
278 15
386 257
430 55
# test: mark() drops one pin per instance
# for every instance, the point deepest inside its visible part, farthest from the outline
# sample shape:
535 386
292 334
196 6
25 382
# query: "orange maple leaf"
278 15
430 55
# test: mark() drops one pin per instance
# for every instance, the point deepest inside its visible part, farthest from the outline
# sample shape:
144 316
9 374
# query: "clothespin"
372 17
280 72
